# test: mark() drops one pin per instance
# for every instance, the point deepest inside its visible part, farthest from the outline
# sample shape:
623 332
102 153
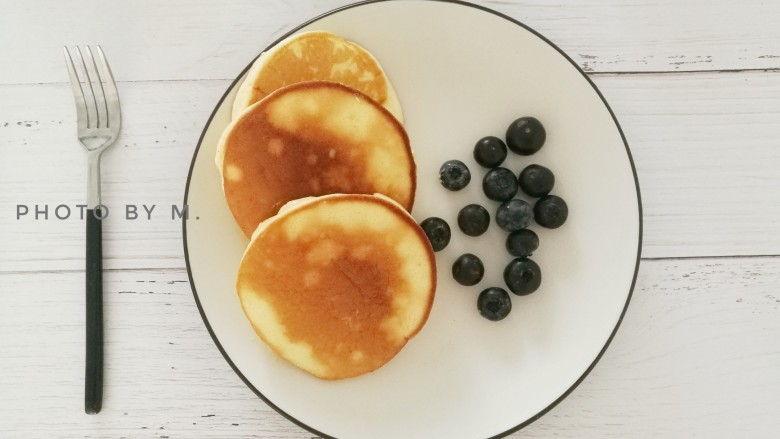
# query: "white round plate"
461 72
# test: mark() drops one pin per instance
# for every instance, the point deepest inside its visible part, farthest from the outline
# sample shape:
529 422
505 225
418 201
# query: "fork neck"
93 179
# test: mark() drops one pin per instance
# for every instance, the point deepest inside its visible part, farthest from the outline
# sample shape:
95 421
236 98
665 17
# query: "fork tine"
101 108
82 115
92 91
111 94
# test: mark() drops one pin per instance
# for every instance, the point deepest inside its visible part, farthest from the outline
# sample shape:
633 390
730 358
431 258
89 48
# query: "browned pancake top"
337 288
321 56
311 139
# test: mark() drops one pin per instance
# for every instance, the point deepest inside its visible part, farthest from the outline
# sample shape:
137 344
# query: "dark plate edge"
462 3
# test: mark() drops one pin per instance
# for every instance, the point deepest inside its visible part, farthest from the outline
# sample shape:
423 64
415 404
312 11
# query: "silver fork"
98 120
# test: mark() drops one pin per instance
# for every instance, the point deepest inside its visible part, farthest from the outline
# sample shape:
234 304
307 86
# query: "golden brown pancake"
337 284
310 139
312 56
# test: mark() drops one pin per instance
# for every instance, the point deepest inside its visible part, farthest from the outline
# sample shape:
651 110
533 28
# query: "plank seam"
184 269
589 73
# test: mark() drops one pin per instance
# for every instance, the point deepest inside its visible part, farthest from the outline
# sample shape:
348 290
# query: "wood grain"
705 152
209 39
705 148
697 356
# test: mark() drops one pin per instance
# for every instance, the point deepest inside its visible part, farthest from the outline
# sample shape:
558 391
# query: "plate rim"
461 3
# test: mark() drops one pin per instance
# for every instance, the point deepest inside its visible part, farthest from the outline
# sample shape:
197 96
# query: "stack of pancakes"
317 170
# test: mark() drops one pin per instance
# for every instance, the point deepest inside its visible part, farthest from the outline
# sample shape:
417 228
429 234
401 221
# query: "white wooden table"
694 83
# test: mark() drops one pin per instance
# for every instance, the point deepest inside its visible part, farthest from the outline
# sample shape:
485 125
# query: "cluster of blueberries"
525 136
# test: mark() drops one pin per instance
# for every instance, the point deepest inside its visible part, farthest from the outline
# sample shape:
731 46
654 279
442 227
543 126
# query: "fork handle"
93 390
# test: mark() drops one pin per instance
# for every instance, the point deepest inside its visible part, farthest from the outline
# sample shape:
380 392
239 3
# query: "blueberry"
525 136
500 184
490 151
454 175
438 232
536 181
514 215
522 276
468 270
494 304
473 220
522 243
551 212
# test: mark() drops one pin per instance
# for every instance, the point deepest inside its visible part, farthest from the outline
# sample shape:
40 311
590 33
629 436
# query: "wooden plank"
705 148
697 356
706 152
45 165
208 39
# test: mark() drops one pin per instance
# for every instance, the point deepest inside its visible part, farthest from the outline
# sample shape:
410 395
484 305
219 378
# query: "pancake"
311 56
336 285
310 139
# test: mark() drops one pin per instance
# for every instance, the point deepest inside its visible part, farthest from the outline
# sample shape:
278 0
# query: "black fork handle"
93 374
